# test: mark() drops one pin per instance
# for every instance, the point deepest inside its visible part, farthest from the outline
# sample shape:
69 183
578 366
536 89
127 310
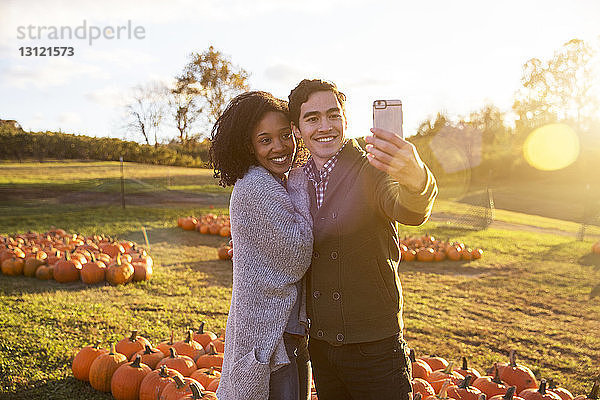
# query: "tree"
146 110
216 80
560 89
184 107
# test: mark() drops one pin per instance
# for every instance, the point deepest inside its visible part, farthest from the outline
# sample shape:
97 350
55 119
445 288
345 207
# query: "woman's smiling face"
273 143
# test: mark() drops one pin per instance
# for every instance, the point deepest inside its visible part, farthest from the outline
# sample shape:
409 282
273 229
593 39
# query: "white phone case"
387 114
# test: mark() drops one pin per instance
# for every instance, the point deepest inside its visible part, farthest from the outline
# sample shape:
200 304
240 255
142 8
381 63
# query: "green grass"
529 292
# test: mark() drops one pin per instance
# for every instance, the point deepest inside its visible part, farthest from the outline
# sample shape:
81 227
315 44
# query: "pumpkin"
435 362
476 254
420 369
491 385
84 359
517 375
93 272
67 270
206 375
211 359
446 373
184 364
422 387
464 390
112 249
119 272
32 263
198 393
223 252
563 393
132 344
538 393
189 224
178 388
466 371
442 393
204 337
103 368
13 266
219 344
509 395
426 254
189 347
150 356
410 255
166 345
454 253
126 381
214 229
45 272
141 271
214 385
154 383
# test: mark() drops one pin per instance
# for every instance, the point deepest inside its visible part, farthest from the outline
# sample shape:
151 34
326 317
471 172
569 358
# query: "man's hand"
397 157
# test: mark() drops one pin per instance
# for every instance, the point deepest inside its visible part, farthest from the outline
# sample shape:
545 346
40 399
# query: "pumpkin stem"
512 357
444 390
496 378
411 356
172 352
464 363
178 381
171 340
162 372
148 350
542 388
510 393
448 369
189 339
196 392
212 350
133 336
552 384
201 327
113 351
417 396
136 362
595 393
119 259
465 382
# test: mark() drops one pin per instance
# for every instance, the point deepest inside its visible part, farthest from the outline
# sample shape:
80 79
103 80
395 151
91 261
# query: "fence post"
122 184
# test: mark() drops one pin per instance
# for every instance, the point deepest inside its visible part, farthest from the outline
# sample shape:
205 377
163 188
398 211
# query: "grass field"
530 291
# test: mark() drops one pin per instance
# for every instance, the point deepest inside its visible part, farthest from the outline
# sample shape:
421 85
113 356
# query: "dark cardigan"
354 294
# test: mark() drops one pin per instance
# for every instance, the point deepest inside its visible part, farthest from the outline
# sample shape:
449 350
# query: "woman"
252 148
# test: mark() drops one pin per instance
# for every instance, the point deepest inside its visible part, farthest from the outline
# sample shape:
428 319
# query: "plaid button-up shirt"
320 179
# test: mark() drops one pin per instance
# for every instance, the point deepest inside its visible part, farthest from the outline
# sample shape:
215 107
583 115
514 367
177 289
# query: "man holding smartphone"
354 295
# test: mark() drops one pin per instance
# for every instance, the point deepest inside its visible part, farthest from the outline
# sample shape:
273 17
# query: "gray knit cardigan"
271 230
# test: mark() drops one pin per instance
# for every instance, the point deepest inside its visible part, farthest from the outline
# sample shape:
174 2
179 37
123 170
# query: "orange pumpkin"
491 385
67 270
150 356
132 344
126 381
119 272
435 362
189 347
154 383
178 388
464 390
517 375
93 271
103 368
189 223
206 375
423 387
212 358
166 345
184 364
538 393
204 337
420 369
32 263
84 359
45 272
199 394
13 266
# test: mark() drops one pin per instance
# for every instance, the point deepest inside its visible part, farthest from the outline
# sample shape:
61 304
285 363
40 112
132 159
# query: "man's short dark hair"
302 92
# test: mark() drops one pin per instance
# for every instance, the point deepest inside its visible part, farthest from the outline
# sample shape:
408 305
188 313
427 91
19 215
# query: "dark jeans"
374 370
292 382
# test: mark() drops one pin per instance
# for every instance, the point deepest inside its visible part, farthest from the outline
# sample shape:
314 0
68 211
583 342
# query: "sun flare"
551 147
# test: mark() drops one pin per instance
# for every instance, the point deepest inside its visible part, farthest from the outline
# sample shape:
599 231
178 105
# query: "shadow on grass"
175 236
62 389
16 285
457 268
590 259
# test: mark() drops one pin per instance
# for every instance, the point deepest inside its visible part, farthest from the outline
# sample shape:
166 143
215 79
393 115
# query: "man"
354 295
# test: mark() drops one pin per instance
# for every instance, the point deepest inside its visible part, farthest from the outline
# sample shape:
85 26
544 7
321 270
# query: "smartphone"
387 114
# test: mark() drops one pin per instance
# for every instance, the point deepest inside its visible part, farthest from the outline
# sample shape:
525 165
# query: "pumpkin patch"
427 248
63 257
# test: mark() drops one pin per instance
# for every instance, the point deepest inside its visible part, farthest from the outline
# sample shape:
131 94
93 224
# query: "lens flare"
551 147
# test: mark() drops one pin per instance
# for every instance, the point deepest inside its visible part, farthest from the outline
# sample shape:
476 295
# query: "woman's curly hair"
230 147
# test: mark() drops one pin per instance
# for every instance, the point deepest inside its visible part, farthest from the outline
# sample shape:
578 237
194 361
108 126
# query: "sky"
434 55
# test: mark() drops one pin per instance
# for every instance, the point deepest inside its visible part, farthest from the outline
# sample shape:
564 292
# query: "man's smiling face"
321 125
